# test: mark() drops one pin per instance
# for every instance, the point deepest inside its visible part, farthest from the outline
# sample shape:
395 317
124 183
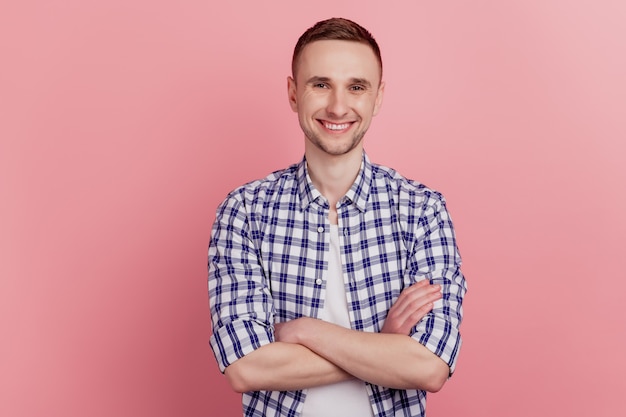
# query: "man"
334 285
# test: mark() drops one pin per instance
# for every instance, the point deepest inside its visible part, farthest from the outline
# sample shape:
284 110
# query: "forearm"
282 367
389 360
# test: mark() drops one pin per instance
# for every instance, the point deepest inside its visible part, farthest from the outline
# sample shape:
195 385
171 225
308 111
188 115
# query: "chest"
295 252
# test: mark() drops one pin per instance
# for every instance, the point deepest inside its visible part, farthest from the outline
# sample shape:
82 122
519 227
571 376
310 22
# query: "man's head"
336 86
339 29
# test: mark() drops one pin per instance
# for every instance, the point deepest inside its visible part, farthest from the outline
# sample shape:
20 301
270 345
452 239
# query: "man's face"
336 92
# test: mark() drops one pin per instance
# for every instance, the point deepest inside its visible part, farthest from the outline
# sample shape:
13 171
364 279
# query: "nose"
337 103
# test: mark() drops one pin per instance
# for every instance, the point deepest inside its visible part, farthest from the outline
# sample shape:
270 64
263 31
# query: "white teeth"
332 126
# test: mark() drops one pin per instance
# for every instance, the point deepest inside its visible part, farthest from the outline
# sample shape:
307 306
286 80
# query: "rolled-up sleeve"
242 312
435 256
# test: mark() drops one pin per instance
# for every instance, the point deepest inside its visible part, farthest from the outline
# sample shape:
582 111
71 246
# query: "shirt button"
320 229
318 281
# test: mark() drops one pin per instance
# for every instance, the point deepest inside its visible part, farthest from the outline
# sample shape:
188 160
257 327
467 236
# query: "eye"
357 87
320 85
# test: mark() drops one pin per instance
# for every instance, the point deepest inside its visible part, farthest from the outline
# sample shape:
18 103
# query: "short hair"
336 28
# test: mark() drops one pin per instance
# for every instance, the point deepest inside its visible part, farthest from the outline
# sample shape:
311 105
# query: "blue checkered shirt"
268 256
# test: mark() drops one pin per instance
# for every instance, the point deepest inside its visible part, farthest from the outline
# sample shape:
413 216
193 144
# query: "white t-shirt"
347 398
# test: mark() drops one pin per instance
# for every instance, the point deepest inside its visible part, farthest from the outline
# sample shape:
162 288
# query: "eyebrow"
363 81
318 79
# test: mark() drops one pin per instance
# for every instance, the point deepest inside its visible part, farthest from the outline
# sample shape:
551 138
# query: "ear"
379 97
291 94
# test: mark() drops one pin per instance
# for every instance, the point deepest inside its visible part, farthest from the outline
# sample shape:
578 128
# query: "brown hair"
336 28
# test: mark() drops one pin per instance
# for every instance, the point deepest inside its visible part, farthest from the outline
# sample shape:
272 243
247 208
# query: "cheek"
311 103
366 108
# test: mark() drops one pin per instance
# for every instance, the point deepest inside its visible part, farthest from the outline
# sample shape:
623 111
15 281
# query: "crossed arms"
310 352
416 347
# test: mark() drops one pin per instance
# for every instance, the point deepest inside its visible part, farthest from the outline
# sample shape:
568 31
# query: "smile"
334 126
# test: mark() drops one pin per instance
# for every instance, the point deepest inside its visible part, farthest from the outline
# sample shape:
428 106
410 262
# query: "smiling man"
335 285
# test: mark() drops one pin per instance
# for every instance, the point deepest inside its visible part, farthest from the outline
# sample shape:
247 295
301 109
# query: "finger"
405 326
411 306
420 287
411 316
413 293
417 315
406 311
420 284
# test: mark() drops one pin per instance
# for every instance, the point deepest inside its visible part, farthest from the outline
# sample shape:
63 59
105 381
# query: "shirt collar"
357 194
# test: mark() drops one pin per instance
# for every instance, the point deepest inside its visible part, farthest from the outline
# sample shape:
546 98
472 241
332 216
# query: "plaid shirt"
269 253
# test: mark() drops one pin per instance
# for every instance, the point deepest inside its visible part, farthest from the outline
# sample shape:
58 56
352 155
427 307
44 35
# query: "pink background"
125 122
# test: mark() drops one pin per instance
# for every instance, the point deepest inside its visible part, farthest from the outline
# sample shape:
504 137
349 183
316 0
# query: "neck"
333 175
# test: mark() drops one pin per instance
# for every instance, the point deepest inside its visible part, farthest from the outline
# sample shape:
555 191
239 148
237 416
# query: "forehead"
338 59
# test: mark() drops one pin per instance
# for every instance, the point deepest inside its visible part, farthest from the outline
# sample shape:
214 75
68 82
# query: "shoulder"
410 193
276 183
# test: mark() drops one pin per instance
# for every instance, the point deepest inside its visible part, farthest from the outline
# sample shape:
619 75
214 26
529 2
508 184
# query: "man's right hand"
410 307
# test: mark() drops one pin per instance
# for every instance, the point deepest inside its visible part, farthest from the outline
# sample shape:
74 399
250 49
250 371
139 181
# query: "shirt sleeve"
242 311
435 256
